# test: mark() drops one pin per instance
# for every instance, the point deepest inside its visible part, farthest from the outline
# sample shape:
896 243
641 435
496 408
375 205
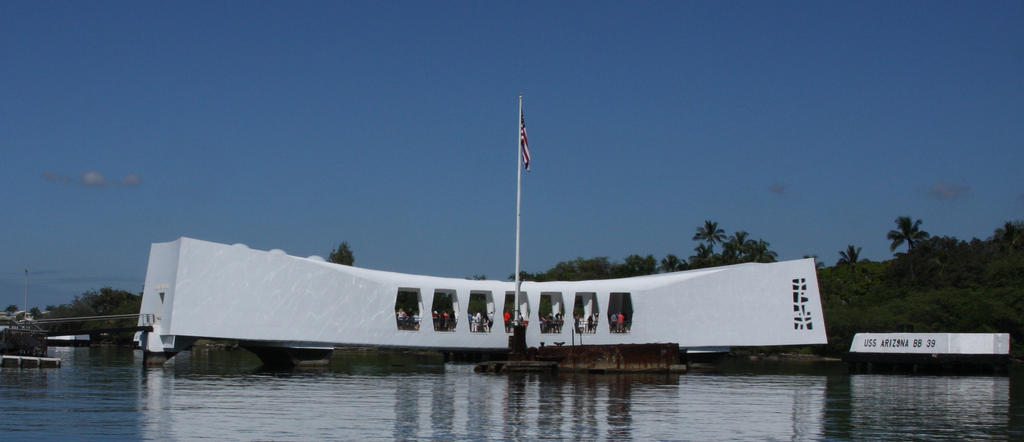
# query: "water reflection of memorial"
897 405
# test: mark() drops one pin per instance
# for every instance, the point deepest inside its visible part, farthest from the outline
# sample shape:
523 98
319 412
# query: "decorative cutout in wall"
801 317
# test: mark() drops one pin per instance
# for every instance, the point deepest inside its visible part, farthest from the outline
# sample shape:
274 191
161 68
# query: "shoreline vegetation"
931 284
934 284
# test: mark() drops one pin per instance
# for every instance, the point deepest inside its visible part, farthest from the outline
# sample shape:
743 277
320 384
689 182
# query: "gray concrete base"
287 357
156 359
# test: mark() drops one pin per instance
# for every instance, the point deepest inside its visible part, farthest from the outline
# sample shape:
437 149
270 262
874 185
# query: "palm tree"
737 247
703 258
906 231
849 256
709 233
1011 235
759 252
672 263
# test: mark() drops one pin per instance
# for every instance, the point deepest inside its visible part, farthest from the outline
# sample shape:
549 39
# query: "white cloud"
132 179
52 177
944 191
777 188
93 178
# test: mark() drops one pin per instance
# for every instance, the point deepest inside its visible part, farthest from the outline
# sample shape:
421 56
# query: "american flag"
524 146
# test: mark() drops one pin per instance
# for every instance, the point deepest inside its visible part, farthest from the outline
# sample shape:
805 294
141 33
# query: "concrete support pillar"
156 359
289 357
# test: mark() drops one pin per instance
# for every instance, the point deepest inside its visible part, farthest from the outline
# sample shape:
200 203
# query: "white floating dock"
928 351
29 362
68 341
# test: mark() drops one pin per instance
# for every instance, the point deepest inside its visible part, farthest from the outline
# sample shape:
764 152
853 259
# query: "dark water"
106 393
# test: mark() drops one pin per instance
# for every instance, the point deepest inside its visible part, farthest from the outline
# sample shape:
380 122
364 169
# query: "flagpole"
519 183
25 316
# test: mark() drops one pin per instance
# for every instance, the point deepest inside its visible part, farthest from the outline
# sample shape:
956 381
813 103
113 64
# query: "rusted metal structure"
23 338
614 358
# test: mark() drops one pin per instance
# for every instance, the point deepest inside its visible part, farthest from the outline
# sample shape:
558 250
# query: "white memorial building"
271 300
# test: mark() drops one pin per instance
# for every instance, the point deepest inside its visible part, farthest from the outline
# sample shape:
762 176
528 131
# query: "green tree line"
736 248
105 301
938 284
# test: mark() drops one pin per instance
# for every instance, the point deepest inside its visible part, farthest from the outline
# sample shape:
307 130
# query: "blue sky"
392 125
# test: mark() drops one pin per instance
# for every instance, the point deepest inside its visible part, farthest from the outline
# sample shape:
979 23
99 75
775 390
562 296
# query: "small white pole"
26 293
